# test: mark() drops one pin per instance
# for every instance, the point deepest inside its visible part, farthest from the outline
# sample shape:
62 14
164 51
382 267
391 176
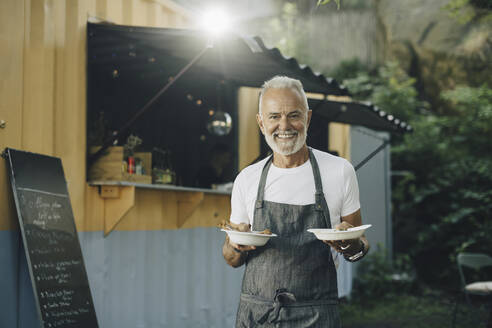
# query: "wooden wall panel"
170 17
38 115
43 99
213 209
94 211
140 13
127 12
155 210
70 122
114 11
249 132
11 96
154 14
43 88
101 8
339 139
158 210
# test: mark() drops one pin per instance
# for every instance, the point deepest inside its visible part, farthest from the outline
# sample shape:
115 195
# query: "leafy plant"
465 11
442 200
324 2
381 278
132 142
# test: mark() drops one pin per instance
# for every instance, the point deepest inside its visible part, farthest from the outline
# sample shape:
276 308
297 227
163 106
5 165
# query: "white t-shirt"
296 186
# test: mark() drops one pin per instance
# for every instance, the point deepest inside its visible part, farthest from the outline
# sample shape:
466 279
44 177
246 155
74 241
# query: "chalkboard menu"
56 266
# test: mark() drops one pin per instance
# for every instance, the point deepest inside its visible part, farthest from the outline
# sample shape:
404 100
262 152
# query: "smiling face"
284 120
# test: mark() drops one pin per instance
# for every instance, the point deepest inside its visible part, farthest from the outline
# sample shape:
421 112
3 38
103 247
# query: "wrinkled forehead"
282 99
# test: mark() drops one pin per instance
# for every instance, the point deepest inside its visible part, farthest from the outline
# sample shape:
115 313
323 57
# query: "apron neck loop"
261 187
317 179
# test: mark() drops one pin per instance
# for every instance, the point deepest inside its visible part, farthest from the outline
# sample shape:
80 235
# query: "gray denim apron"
291 281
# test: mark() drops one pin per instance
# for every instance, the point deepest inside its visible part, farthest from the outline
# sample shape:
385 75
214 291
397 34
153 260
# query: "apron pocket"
326 316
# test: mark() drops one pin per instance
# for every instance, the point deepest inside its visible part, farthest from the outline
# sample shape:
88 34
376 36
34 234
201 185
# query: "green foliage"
379 278
450 199
411 311
348 69
389 88
460 10
465 11
442 203
289 32
324 2
386 294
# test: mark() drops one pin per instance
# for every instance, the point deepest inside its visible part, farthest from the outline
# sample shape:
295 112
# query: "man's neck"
290 161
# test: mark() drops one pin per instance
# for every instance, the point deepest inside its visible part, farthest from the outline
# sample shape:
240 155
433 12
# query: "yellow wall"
43 81
249 132
43 97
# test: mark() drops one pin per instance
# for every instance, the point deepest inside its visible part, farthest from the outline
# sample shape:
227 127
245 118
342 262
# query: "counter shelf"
138 206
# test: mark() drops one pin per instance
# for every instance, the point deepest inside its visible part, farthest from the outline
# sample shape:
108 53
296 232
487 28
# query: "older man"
291 281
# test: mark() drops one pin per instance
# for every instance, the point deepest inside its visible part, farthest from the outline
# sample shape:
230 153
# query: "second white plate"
332 234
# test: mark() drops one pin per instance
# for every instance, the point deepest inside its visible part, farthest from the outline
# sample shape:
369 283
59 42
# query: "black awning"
242 60
157 54
357 113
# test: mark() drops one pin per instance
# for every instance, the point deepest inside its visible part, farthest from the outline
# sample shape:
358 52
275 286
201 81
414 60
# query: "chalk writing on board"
58 266
63 294
49 235
48 210
54 265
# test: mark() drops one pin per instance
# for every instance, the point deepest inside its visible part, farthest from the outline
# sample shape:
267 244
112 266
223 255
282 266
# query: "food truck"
131 79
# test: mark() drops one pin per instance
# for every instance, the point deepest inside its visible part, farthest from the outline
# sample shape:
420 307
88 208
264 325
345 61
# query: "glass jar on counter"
162 172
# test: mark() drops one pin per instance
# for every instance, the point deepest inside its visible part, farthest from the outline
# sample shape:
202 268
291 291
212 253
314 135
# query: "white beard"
287 147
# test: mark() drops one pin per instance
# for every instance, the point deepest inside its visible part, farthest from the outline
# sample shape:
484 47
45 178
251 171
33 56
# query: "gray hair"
283 82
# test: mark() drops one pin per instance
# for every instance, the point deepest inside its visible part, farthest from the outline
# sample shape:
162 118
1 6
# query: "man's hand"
347 247
240 248
235 254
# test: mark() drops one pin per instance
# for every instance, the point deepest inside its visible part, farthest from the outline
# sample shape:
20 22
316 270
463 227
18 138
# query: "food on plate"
242 227
228 225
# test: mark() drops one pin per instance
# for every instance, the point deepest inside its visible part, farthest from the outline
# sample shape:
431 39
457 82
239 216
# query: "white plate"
248 238
332 234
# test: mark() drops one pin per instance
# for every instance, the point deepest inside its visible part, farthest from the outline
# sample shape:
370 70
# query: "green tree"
442 203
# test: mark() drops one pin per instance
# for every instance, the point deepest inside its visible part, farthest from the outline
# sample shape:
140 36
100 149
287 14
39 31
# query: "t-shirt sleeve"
239 213
351 201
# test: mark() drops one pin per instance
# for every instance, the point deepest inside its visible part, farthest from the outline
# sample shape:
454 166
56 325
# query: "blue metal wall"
374 185
141 279
169 278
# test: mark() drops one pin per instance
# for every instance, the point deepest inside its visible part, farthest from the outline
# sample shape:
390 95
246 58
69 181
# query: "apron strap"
319 196
321 205
261 187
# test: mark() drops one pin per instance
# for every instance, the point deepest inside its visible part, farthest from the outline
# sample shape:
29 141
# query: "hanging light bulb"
220 123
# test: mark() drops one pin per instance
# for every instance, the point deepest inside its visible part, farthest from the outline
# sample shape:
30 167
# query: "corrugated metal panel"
373 185
9 269
142 279
358 113
169 278
344 277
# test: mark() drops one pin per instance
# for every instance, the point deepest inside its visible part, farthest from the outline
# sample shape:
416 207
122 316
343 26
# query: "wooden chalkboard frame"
54 257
